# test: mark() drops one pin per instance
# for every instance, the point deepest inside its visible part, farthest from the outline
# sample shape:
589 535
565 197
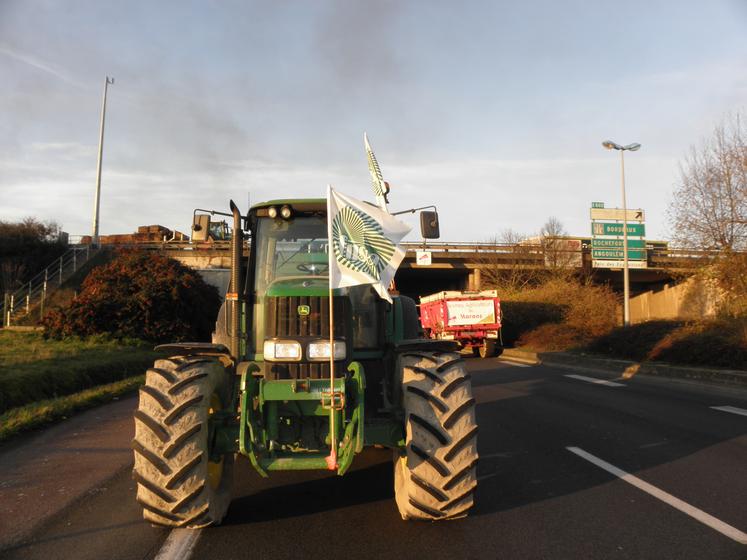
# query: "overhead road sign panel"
606 228
611 263
633 254
633 215
614 243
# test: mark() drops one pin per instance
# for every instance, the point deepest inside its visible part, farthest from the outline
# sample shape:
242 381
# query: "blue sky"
493 111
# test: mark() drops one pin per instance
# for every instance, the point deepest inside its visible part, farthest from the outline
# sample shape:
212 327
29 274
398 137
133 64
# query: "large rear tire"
178 483
487 348
436 477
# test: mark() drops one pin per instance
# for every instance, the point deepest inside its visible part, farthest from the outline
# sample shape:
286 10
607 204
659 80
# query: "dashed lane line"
732 409
595 380
179 545
698 514
511 363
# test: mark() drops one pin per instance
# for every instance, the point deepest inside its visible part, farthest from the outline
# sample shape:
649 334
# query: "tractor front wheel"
178 483
436 476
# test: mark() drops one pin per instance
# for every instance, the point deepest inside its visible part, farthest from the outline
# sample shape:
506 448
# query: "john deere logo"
359 244
304 310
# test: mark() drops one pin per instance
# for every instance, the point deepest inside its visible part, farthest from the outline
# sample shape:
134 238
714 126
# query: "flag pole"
332 458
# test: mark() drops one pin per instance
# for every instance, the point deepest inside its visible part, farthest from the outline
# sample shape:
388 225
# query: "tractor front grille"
283 320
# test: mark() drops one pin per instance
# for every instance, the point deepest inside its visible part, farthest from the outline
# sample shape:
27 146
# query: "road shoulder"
44 472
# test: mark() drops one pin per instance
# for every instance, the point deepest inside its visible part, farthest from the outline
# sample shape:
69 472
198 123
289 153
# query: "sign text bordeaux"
602 228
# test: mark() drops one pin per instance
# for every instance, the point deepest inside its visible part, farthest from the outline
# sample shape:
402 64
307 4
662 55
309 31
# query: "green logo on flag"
359 244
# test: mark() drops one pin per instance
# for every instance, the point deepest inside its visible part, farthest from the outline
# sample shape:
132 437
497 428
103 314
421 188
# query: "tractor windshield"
294 255
288 249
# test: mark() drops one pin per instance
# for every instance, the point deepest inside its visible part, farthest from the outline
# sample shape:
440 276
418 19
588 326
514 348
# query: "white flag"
363 243
380 187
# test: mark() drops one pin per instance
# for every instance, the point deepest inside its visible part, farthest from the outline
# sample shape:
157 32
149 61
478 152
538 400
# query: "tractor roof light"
272 212
286 212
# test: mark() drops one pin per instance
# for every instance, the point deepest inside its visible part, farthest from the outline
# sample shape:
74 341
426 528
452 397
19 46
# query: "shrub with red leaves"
140 295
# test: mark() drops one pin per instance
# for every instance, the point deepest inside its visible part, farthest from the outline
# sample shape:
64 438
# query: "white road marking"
486 476
698 514
595 381
732 409
501 455
179 544
654 444
510 363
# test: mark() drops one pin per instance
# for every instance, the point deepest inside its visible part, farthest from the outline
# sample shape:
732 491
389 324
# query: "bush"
25 248
140 295
635 342
559 314
551 337
521 317
717 343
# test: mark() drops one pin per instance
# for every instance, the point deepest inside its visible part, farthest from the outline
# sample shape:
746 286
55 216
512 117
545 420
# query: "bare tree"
561 254
512 264
709 209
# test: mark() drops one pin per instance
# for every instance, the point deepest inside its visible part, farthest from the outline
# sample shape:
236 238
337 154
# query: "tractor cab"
287 292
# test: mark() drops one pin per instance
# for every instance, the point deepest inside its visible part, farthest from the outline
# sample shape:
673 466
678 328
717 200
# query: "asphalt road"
553 450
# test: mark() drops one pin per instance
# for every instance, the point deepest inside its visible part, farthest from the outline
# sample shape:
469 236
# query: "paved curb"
627 368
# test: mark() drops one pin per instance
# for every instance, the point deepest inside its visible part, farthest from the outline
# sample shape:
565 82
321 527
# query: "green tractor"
263 388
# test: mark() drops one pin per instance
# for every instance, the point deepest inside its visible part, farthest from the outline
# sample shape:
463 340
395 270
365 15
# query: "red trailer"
471 318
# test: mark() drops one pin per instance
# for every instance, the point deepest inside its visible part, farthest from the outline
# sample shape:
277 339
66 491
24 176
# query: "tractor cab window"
291 249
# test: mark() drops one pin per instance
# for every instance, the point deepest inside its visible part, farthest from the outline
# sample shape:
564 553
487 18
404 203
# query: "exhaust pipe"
235 287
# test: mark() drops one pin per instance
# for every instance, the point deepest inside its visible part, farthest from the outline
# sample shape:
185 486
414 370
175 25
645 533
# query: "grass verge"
24 418
33 369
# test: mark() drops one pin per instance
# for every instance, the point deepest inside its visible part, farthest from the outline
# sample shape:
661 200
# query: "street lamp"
97 201
626 271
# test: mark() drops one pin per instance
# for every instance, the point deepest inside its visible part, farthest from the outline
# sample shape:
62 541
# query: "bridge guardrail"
33 294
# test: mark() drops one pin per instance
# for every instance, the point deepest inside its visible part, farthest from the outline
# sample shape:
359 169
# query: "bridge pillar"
473 280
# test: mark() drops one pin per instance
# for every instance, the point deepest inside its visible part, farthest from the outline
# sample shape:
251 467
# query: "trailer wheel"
435 476
411 324
178 483
487 348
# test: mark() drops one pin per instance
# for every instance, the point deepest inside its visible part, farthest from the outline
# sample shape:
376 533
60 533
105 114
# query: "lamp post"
626 269
95 233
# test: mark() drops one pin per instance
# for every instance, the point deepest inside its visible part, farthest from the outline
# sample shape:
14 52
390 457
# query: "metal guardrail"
666 257
33 294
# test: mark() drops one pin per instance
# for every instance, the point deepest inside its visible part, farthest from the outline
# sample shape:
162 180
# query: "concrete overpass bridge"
470 265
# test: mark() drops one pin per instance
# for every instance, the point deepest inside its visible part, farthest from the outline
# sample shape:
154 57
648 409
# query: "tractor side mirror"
429 225
200 227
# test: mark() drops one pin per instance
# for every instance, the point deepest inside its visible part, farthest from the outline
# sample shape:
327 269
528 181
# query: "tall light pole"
626 269
97 203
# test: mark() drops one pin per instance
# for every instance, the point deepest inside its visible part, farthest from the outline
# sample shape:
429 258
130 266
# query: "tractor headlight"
285 212
275 350
272 212
320 350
